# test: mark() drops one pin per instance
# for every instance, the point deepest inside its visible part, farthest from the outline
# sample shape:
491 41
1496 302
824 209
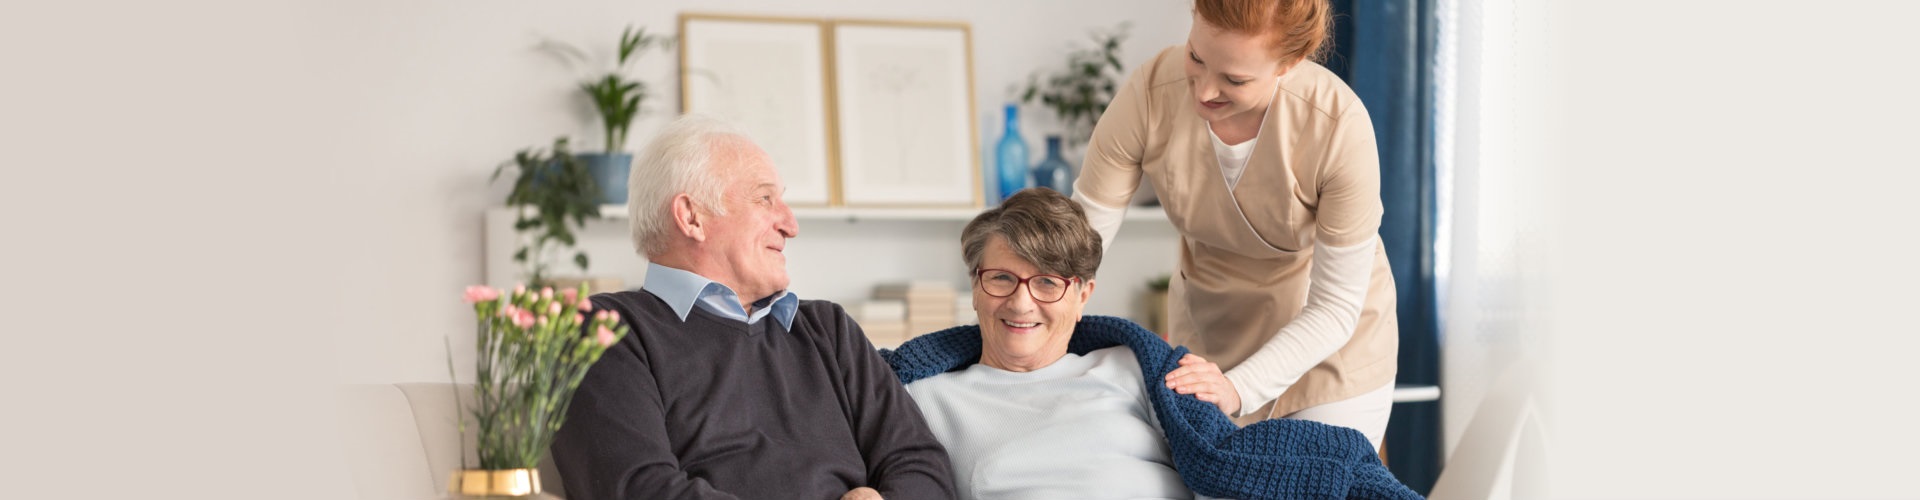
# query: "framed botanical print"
903 105
768 76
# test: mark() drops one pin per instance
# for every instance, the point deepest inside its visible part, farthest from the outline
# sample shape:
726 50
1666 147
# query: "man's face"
746 244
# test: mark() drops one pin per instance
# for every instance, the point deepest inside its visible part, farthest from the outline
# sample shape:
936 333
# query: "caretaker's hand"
862 493
1203 380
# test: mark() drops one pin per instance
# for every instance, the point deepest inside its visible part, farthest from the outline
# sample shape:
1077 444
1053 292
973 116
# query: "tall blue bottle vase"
989 171
1011 158
609 171
1054 172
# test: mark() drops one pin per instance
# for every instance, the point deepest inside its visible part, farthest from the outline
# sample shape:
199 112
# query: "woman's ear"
1287 67
688 218
1086 291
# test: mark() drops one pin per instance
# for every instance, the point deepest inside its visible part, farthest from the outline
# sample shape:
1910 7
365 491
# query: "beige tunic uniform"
1314 176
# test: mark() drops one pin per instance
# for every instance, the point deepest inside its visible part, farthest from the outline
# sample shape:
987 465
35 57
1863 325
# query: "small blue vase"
609 171
1054 172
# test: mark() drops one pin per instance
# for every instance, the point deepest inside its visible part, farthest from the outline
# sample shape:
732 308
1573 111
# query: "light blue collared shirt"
681 289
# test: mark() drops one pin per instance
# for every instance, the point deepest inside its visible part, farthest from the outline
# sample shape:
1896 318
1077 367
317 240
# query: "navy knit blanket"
1278 458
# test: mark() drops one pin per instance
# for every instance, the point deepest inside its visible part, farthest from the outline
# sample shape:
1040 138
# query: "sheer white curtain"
1485 267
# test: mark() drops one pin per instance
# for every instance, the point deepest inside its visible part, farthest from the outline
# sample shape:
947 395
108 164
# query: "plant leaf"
628 42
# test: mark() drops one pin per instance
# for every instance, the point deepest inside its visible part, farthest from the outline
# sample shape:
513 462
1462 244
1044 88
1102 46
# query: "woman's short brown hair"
1042 226
1301 26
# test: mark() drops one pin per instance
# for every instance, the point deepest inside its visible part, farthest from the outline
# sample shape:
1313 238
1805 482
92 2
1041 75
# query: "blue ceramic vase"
1054 172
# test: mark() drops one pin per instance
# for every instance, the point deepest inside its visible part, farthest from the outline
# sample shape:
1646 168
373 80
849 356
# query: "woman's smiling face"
1018 332
1229 73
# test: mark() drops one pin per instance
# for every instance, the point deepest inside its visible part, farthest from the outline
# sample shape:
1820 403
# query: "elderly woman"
1058 406
1031 419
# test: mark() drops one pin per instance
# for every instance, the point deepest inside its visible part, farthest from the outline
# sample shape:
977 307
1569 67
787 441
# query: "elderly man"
730 386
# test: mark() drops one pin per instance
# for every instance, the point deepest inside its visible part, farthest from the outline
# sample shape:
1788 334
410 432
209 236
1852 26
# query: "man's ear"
688 218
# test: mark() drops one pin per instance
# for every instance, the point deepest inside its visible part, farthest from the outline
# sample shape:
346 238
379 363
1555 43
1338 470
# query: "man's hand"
1203 380
862 493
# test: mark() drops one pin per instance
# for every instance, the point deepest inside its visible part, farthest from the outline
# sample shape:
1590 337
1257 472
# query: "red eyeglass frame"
1023 282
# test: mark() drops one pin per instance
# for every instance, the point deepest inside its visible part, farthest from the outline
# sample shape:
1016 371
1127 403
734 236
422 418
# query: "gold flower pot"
508 483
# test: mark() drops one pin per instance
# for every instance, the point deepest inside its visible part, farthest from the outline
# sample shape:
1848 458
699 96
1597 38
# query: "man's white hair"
678 160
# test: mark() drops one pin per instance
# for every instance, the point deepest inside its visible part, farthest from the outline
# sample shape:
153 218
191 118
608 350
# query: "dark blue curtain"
1384 50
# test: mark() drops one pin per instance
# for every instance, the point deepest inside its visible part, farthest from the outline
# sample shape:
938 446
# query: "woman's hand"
1203 380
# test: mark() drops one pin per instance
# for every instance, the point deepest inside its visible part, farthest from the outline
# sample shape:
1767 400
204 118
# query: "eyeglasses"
1042 287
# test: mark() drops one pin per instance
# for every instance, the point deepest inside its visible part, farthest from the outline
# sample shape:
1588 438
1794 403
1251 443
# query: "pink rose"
585 304
579 319
477 294
553 308
546 293
507 311
522 318
604 336
569 295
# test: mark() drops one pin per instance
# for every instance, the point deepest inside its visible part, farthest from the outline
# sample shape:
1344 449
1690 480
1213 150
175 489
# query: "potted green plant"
555 195
1079 92
617 99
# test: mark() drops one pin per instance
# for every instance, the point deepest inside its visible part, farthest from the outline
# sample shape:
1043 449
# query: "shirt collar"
682 289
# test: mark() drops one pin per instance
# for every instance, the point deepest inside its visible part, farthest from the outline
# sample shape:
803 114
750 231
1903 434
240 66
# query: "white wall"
441 92
1733 251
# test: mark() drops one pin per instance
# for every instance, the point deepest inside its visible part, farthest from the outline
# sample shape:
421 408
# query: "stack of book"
885 321
929 304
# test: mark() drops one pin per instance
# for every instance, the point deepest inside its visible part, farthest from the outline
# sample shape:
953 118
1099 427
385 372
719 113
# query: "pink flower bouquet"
534 348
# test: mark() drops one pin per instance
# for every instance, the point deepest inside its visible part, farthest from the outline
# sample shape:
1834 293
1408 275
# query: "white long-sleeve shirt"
1081 427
